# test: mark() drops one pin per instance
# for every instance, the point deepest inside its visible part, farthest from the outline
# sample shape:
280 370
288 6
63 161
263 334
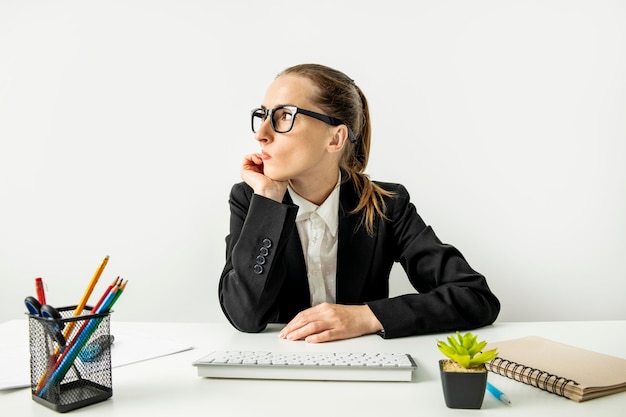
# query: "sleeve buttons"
260 259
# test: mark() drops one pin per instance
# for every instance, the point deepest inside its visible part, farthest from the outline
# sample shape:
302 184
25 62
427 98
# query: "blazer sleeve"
450 294
254 270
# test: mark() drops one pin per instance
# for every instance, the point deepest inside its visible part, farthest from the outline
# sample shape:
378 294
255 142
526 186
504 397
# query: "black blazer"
265 279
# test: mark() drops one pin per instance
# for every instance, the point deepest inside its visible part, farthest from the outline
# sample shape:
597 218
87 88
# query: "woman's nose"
264 132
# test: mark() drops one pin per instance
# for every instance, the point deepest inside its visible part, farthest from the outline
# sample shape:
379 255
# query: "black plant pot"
463 389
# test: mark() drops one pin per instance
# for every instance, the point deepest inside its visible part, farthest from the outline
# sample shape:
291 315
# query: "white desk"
168 386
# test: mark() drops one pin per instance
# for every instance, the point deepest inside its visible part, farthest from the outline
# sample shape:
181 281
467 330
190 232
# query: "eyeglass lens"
282 119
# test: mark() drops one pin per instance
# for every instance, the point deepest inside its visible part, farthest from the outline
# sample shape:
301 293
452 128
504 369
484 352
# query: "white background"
123 123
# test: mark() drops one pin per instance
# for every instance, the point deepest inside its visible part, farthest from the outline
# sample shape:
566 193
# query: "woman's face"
304 151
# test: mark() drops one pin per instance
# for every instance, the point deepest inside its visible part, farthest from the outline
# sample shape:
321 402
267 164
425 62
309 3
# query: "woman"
312 239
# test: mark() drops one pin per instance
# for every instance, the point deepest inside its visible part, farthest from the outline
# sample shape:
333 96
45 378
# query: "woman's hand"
326 322
253 175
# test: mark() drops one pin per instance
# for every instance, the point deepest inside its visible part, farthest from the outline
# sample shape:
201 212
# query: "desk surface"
169 385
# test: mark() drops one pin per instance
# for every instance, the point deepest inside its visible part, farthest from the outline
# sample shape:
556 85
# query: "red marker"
41 294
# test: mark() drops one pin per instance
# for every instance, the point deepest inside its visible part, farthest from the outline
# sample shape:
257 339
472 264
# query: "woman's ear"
339 139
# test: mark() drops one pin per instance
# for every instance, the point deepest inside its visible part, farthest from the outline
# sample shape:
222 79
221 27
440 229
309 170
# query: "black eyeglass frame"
295 110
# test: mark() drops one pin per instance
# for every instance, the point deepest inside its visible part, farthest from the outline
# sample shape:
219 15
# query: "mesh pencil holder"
70 359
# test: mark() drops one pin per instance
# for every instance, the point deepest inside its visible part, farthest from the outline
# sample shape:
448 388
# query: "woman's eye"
284 115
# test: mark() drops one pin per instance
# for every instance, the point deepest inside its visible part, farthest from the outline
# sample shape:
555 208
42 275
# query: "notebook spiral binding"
530 376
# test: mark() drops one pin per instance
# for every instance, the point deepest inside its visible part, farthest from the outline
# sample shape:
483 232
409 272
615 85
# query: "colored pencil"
83 301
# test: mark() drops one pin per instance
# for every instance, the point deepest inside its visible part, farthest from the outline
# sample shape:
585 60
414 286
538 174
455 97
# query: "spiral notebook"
565 370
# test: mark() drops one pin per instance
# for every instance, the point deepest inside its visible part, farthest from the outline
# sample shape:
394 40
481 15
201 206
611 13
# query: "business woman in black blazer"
265 278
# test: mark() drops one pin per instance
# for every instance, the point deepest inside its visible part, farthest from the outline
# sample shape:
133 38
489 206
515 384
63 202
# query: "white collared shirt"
317 227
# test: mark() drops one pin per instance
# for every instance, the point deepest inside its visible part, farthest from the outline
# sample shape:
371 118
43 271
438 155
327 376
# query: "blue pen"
498 394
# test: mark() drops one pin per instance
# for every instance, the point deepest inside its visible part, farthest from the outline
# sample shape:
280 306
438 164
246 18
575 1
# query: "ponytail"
371 200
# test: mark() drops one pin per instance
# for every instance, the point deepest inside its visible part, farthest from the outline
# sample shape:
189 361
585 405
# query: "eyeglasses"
282 118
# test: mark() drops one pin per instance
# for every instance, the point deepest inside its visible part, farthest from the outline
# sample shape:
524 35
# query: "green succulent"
465 350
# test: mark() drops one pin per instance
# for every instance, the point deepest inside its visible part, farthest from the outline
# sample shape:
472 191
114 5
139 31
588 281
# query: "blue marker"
498 394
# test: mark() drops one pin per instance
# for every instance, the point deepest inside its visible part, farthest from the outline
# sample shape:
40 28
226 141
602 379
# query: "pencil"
108 290
122 287
86 295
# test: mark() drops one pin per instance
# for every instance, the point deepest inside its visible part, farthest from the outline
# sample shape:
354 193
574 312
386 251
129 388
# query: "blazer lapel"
355 251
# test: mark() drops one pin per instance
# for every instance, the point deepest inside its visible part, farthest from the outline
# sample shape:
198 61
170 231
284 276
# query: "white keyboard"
307 365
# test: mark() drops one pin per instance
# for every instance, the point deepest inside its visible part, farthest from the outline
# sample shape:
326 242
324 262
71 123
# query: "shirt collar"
328 210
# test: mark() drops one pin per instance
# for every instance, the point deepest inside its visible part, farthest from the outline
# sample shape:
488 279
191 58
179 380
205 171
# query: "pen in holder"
61 377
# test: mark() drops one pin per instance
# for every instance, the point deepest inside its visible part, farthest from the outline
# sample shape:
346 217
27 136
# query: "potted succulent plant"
463 375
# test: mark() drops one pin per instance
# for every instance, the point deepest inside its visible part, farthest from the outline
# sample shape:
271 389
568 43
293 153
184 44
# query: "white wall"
123 123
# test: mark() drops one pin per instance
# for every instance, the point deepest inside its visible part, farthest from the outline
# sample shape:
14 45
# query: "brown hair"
341 98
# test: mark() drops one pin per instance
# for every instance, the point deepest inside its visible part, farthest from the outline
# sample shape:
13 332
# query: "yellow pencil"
83 301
